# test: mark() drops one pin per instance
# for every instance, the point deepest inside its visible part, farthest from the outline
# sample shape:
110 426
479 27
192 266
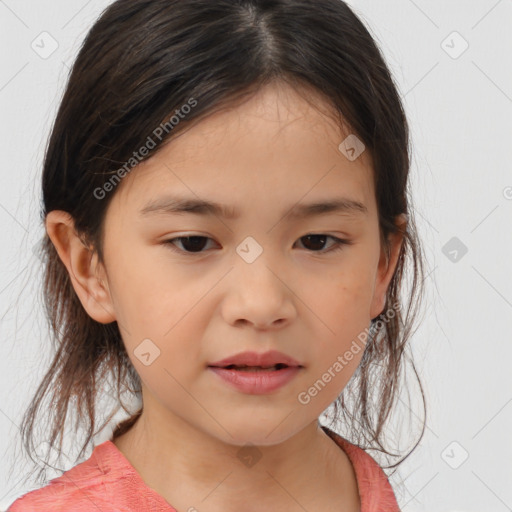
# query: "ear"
87 275
387 267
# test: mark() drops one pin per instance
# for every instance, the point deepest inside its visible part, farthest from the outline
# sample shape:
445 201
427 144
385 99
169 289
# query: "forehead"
273 149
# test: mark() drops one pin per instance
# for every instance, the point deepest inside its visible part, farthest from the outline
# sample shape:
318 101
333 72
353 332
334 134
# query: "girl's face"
255 282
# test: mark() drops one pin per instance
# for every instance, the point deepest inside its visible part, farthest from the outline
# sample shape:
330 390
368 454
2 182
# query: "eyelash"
338 245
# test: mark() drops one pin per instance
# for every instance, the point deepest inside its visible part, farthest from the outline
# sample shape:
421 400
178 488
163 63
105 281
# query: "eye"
192 244
319 239
195 244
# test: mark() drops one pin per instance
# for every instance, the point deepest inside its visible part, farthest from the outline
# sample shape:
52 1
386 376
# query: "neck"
186 466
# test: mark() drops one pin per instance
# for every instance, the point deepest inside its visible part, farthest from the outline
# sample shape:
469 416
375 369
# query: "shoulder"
375 490
81 488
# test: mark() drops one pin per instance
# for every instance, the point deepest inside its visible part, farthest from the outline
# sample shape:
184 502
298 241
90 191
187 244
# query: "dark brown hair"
140 62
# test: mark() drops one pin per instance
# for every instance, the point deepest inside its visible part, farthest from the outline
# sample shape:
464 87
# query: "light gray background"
460 111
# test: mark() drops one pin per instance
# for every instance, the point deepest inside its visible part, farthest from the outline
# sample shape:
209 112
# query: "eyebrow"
180 205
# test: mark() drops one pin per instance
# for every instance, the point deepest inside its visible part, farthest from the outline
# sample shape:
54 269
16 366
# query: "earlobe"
82 265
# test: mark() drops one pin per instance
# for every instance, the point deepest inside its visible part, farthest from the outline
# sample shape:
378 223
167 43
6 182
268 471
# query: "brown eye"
312 242
315 242
190 244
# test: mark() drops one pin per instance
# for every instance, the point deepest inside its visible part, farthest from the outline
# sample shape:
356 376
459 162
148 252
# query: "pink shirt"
107 482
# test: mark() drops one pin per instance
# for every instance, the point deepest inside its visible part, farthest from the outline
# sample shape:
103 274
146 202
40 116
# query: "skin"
303 300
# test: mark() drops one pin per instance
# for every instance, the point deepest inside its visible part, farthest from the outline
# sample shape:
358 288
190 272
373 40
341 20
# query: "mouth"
256 380
271 360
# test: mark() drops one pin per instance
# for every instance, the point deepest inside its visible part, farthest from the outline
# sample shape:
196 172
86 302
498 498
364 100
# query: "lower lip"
257 383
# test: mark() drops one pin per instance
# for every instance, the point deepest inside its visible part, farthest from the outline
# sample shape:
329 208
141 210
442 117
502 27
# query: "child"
256 127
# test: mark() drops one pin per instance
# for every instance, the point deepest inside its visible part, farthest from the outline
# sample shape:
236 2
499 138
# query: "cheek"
342 299
165 353
342 317
158 314
150 294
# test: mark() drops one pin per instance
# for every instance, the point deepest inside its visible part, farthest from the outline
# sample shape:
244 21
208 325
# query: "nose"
258 295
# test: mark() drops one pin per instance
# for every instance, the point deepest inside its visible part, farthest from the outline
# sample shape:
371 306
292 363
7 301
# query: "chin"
256 433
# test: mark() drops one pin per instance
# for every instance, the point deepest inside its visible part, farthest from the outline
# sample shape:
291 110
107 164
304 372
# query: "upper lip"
270 358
